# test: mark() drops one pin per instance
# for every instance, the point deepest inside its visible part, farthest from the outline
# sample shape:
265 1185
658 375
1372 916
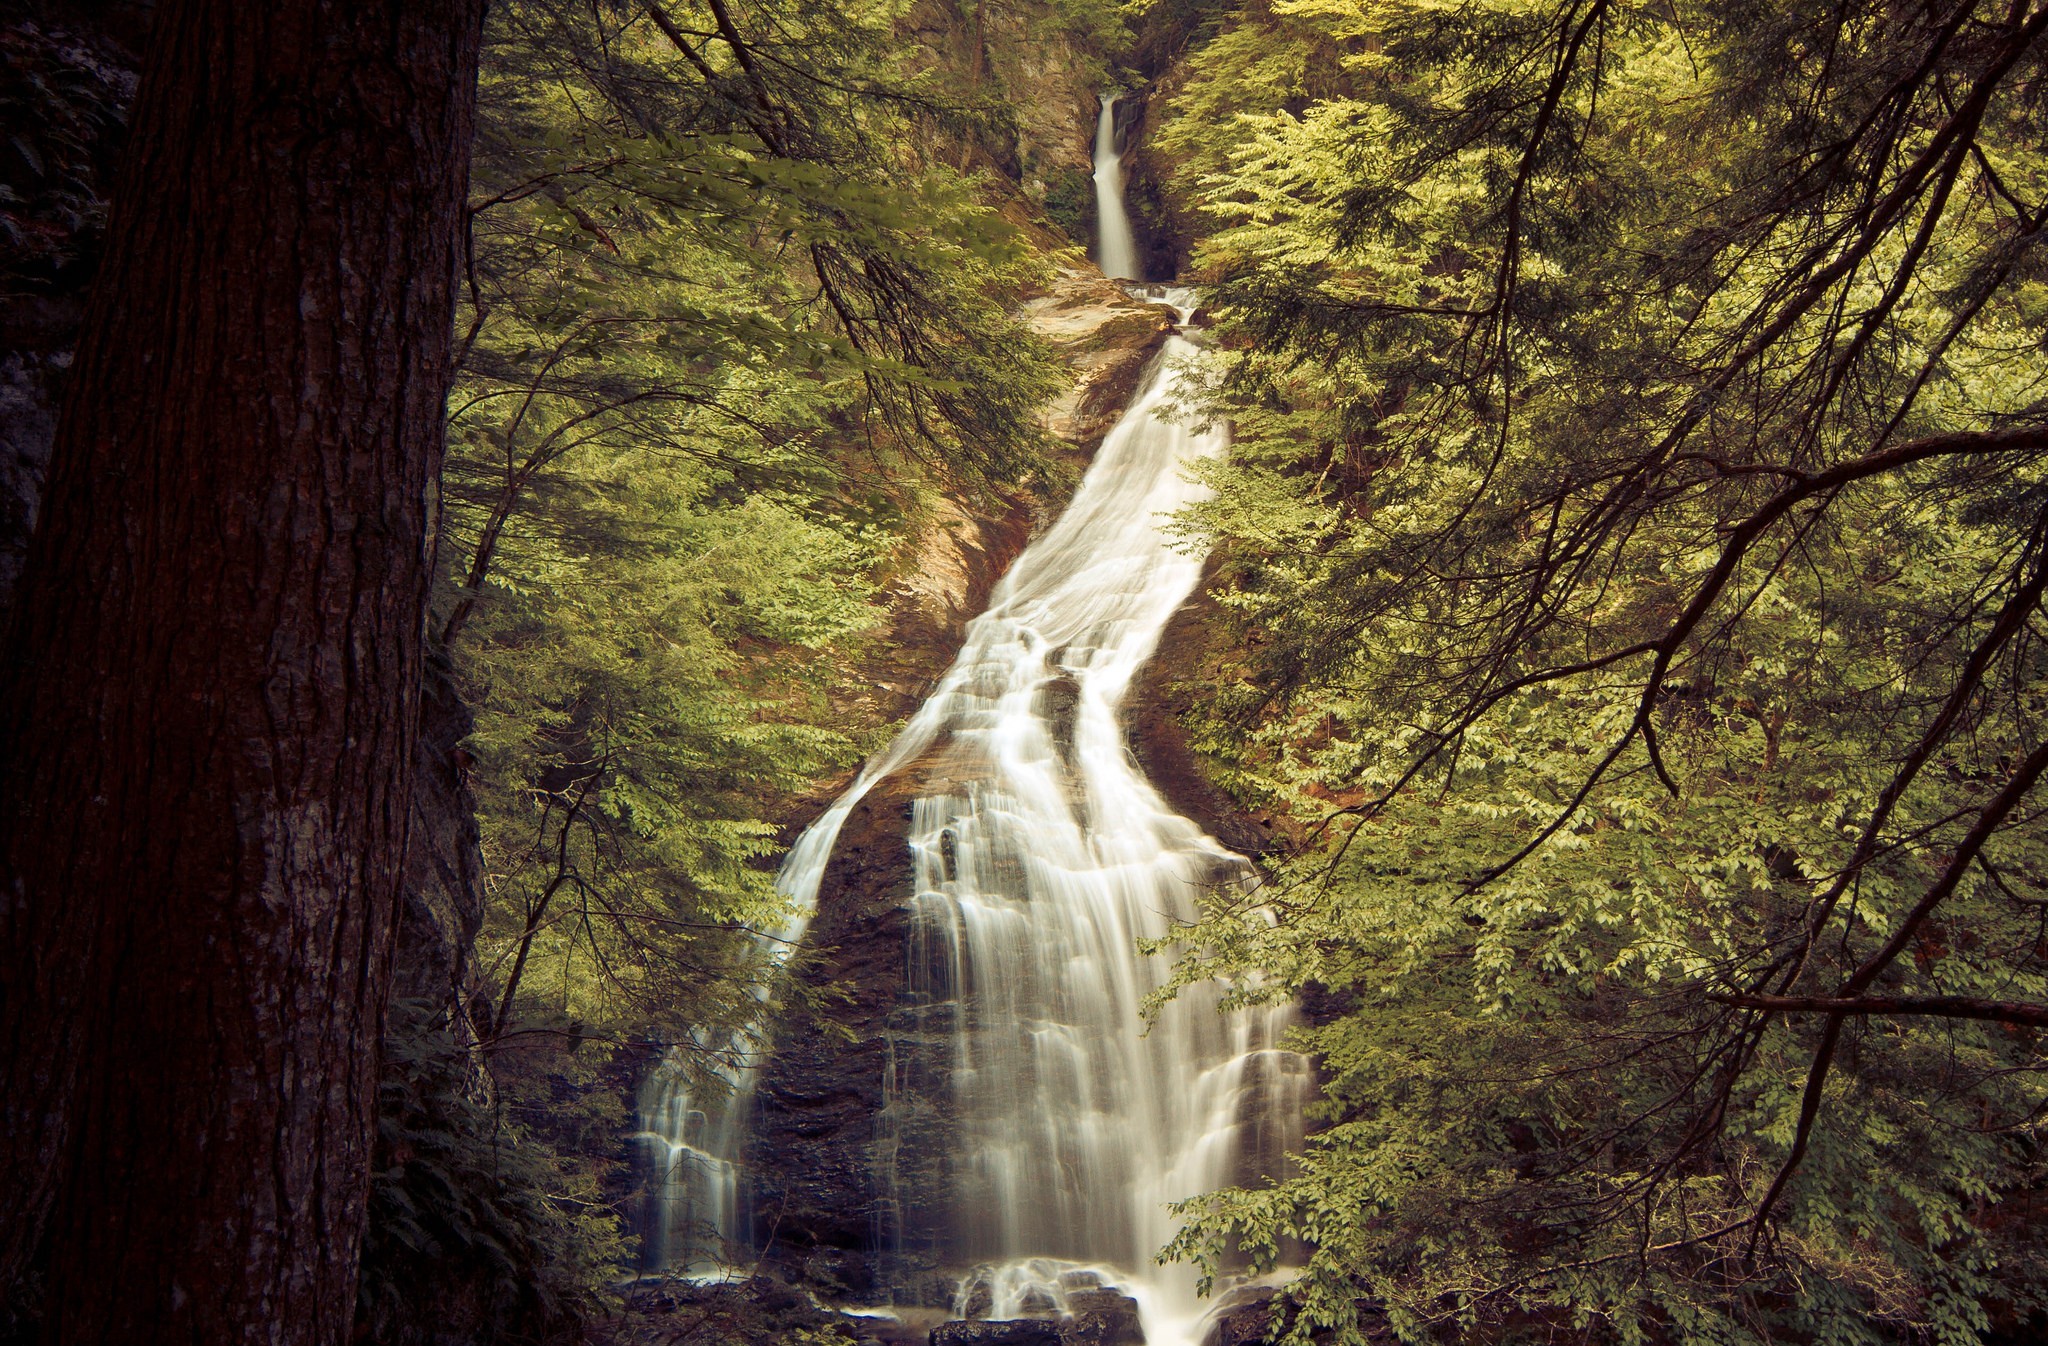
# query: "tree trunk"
209 702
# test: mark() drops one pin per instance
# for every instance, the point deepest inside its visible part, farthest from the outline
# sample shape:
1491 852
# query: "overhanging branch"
1942 1006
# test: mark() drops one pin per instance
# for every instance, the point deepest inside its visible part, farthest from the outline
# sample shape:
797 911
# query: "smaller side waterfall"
1118 248
689 1142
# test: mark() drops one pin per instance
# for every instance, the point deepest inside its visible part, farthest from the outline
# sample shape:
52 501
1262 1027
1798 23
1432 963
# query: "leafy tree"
720 327
1639 528
728 320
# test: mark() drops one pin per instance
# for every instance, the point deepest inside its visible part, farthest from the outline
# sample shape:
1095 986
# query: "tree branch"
1943 1006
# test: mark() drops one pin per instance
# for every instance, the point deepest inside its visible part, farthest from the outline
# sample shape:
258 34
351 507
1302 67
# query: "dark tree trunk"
209 703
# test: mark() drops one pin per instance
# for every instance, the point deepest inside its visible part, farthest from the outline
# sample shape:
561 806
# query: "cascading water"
1042 861
1117 245
691 1135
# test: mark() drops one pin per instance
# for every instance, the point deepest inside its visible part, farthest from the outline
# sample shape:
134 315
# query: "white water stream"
1042 858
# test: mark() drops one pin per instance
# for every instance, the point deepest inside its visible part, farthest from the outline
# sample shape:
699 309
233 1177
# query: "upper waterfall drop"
1117 246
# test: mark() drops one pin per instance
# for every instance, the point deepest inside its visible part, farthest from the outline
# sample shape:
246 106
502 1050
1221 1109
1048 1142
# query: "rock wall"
1162 218
1189 649
443 902
66 75
1032 72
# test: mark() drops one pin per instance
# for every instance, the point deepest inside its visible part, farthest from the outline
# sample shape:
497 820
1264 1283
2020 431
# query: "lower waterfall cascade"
1044 863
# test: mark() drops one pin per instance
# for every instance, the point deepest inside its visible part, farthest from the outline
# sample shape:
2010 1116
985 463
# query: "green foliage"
1638 528
1070 202
723 328
506 1234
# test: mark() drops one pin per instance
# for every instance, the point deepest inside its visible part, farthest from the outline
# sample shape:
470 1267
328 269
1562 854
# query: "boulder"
1241 1318
1037 1302
1015 1332
1101 1317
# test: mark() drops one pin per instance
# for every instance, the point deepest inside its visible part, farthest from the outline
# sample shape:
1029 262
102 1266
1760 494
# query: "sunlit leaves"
1531 308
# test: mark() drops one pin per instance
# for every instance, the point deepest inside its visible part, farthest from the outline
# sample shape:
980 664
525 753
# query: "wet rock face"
1242 1319
817 1200
1191 646
1094 1317
1108 338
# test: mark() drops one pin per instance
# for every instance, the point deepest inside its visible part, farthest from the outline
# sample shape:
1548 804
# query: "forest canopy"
1635 545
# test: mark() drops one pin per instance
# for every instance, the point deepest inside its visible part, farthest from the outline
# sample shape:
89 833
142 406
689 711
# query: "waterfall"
1118 247
1042 860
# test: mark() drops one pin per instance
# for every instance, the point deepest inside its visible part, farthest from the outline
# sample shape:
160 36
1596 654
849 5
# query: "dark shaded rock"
1038 1303
1242 1318
979 1298
1101 1317
67 72
28 426
912 1330
811 1151
1251 1315
760 1311
1189 648
933 1290
444 892
1013 1332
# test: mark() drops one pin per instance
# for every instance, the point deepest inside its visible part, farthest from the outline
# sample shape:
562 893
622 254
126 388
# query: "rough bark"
209 701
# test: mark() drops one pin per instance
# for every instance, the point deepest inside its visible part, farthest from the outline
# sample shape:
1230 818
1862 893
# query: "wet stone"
1101 1317
1015 1332
1242 1318
1038 1303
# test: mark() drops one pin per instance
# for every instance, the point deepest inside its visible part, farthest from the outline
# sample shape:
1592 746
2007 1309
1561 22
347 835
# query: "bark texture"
212 682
